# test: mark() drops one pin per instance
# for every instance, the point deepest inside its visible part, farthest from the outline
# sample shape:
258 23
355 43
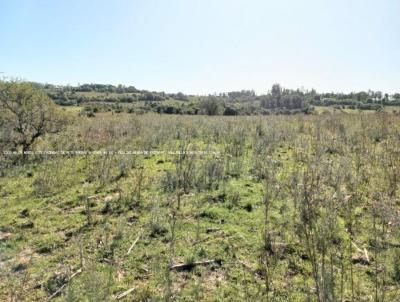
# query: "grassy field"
276 208
322 109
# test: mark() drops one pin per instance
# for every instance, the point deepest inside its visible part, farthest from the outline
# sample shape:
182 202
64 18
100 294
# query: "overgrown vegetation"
257 208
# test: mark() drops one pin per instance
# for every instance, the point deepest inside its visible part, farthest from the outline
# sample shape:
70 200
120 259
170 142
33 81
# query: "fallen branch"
124 294
109 261
58 291
134 243
358 249
189 266
211 230
362 256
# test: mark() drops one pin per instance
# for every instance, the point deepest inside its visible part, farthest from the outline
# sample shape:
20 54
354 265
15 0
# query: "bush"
211 106
230 111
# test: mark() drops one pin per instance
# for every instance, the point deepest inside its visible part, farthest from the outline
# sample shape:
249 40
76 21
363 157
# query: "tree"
26 113
362 96
396 96
180 96
211 106
276 91
378 95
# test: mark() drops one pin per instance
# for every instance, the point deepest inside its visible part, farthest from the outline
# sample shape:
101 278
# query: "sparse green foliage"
290 208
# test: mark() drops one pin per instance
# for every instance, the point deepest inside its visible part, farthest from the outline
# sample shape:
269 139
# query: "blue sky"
204 46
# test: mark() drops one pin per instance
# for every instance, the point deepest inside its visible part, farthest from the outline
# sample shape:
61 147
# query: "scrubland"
273 208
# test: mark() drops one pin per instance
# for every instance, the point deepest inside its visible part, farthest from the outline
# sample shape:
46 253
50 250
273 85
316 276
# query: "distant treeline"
244 102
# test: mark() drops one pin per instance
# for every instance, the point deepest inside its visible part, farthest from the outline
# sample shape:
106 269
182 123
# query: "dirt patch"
26 255
4 236
213 280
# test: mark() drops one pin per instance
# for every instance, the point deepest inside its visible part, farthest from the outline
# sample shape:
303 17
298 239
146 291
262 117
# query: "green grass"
44 211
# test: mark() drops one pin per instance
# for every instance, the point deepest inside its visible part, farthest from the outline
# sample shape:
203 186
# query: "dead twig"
124 294
362 256
134 243
355 245
58 291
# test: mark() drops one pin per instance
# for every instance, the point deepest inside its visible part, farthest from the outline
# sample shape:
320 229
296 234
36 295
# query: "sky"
204 46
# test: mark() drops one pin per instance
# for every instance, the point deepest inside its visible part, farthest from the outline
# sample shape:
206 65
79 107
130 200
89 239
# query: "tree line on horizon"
278 100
